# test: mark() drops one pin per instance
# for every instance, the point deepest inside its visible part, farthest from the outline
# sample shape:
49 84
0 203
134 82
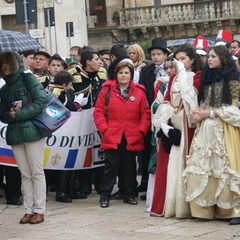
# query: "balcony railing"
179 13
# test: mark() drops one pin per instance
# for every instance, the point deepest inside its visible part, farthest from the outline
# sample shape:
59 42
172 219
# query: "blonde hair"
138 49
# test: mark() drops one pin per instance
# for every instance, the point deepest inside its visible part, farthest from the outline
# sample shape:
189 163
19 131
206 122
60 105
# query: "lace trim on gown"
211 161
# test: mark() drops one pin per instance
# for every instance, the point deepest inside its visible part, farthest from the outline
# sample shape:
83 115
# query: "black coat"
147 78
88 83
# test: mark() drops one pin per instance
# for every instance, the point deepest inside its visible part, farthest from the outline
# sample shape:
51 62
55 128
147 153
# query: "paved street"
84 219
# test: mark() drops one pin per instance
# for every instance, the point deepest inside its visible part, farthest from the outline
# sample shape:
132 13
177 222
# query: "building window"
157 2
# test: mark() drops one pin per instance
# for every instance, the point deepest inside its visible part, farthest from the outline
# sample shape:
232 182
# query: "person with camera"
27 143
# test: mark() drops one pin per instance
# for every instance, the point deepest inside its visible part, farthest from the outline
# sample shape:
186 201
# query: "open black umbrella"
13 41
179 42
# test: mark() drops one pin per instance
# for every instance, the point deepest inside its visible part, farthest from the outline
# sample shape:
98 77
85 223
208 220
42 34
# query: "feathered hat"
224 37
201 45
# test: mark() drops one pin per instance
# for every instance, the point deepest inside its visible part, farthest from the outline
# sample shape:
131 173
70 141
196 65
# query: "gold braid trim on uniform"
75 72
102 73
56 91
42 79
85 90
52 85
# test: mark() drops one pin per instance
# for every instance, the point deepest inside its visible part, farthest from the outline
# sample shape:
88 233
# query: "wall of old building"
105 38
54 38
165 2
145 3
142 3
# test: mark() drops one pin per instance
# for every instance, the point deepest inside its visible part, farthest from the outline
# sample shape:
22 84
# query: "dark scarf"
211 78
124 93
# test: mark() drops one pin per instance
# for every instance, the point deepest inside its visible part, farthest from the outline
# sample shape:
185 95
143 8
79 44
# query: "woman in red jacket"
122 116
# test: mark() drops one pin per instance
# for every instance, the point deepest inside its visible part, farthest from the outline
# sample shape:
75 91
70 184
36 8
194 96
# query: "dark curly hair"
191 53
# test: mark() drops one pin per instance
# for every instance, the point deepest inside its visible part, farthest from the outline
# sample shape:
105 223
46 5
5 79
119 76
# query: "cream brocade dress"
178 111
212 175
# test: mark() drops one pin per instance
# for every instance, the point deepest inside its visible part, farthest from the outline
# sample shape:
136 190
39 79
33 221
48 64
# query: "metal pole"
69 37
49 30
25 2
89 20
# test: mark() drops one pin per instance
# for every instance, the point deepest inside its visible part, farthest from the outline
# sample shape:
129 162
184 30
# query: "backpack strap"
107 98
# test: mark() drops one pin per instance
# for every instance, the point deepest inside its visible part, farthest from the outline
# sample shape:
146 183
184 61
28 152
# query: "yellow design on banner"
46 156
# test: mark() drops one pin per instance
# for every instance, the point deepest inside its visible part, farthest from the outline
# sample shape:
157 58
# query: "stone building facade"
141 21
51 31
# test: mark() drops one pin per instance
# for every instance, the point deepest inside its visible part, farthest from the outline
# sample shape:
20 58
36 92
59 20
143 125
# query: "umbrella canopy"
173 45
12 41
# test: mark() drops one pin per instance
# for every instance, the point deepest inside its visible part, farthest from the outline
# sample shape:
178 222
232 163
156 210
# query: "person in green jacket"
26 142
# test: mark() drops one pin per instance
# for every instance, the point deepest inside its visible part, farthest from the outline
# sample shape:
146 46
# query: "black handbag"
52 117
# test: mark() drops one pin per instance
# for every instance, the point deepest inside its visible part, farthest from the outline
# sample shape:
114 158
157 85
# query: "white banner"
73 146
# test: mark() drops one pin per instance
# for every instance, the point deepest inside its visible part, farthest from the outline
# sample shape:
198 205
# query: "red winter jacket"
129 116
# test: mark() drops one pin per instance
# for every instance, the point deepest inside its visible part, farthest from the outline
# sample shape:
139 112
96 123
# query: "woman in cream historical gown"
212 176
173 117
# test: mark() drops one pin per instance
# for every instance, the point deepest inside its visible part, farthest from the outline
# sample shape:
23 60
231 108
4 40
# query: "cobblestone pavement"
84 219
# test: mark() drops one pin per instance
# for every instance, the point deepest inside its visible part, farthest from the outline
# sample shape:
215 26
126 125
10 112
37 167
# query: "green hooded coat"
21 129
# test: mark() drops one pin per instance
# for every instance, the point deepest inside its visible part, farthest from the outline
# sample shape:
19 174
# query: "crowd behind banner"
171 112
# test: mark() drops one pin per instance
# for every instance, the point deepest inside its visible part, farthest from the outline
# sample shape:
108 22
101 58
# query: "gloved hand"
163 79
182 75
81 99
165 128
175 136
183 81
165 141
179 65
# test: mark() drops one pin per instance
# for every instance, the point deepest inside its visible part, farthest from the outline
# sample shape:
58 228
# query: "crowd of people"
173 113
